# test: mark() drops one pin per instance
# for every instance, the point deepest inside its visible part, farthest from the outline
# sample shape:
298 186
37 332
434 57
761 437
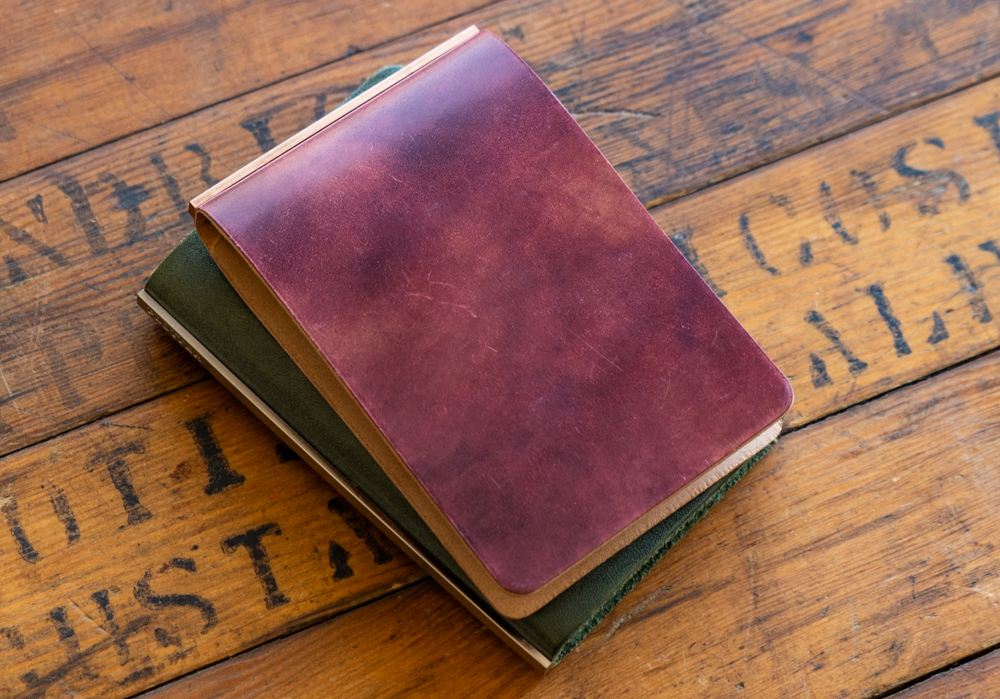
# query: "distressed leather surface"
193 290
536 350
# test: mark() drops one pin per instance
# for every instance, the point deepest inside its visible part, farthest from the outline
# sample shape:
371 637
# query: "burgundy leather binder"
468 282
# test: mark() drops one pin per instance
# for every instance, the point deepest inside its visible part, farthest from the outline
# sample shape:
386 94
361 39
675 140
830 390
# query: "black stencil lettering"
129 199
206 163
361 528
14 272
111 625
753 248
37 209
338 561
682 239
70 641
805 253
121 476
832 216
170 184
515 33
67 636
65 514
148 599
13 636
870 186
971 286
220 475
817 372
816 319
8 505
164 639
143 673
259 127
84 214
40 684
319 109
939 331
183 564
991 246
891 321
935 182
285 453
990 122
32 681
251 540
783 202
22 237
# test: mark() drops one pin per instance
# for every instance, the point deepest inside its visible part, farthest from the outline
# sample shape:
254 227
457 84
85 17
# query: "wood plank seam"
73 348
916 682
741 604
119 201
740 273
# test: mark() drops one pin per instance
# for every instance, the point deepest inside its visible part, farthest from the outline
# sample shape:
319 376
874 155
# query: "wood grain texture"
974 680
858 555
865 263
896 258
712 88
679 96
79 237
166 538
110 69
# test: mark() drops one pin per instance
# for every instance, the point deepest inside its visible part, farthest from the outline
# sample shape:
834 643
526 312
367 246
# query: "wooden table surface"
833 168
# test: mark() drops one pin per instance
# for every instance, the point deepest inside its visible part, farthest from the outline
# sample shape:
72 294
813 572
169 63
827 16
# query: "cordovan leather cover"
192 291
515 330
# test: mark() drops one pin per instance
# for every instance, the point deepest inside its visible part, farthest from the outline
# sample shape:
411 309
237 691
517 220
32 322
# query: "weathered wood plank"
711 88
977 679
111 69
78 238
149 544
865 263
859 555
918 246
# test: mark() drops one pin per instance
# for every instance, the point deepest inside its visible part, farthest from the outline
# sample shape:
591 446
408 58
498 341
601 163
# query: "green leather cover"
193 290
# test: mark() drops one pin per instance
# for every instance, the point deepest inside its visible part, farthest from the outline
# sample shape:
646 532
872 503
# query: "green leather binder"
190 297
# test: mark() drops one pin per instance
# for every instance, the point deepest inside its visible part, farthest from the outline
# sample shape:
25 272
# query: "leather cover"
190 287
468 281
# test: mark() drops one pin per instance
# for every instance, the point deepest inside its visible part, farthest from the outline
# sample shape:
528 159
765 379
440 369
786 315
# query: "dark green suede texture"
375 78
193 290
